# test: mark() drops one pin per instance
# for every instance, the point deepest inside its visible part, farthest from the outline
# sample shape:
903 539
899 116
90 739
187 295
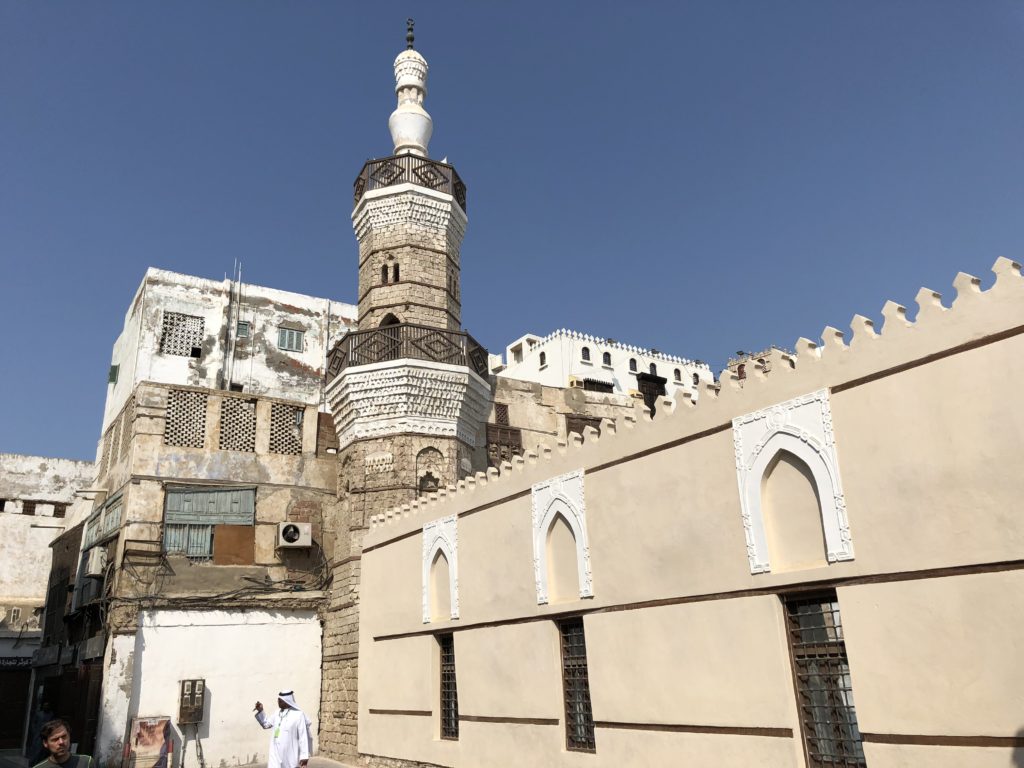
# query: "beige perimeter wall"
687 649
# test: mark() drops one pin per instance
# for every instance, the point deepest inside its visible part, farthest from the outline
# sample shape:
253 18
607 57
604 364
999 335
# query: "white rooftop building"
569 359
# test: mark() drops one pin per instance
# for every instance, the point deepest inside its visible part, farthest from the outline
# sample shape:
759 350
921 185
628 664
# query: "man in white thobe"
292 739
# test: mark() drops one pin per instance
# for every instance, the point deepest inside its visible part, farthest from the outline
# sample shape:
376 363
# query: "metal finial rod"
409 36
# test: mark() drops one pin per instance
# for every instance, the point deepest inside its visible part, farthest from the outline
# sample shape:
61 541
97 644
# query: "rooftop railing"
406 340
409 169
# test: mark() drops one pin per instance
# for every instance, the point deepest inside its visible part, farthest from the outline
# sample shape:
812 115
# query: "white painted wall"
255 362
563 353
243 656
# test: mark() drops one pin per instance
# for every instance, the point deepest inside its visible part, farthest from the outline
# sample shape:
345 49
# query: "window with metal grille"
579 717
449 689
59 510
501 414
824 691
181 334
28 507
289 339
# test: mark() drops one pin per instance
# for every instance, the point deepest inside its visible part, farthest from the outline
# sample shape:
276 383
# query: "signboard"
15 662
93 647
46 655
149 743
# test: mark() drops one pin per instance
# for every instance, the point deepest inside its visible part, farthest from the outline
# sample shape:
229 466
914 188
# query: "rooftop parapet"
974 318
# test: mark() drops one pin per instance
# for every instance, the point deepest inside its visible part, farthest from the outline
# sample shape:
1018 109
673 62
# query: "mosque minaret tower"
408 389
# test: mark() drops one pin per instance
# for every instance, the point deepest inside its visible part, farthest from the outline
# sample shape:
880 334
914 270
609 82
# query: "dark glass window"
449 689
825 695
606 358
579 717
585 354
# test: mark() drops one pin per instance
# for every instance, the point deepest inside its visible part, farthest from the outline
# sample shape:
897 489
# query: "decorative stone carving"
560 495
408 396
382 461
802 426
441 535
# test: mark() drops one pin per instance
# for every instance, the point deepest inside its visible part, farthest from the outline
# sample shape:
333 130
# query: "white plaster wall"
563 350
256 363
115 699
244 656
25 555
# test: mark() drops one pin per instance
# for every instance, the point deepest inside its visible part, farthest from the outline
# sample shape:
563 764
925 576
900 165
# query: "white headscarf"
288 697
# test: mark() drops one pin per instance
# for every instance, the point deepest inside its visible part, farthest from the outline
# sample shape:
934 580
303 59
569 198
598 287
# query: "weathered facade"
821 567
37 501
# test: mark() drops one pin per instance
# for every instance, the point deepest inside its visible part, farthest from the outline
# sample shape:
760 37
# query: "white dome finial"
410 124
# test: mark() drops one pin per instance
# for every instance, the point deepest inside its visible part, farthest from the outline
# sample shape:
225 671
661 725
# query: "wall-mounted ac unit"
294 535
96 562
575 383
636 393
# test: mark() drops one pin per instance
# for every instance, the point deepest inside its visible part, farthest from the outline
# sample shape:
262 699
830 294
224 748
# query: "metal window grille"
237 424
824 691
285 428
449 690
28 507
181 334
186 418
289 339
242 331
501 414
59 510
579 717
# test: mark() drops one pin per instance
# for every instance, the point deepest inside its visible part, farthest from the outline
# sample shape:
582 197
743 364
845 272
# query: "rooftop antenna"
409 36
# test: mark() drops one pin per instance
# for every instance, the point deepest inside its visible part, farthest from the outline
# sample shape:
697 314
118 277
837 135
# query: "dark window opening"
696 379
828 719
501 414
654 370
606 358
197 352
678 374
593 385
236 387
28 507
3 505
60 510
384 274
112 374
579 716
651 388
632 364
395 274
429 483
449 689
585 354
577 424
502 444
741 371
543 359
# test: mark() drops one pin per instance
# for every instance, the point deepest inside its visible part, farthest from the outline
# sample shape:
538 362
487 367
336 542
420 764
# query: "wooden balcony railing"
410 169
406 340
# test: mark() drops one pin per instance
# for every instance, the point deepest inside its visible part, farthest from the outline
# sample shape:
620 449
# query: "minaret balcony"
406 341
410 169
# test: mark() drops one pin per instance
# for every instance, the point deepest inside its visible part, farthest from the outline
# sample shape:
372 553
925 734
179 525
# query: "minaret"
409 390
409 218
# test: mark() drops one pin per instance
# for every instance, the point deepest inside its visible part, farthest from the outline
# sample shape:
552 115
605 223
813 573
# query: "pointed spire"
410 124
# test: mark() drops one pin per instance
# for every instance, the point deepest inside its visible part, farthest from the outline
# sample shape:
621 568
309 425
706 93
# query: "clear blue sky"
700 177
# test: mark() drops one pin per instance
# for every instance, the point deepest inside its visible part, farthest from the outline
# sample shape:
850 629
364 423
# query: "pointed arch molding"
441 535
560 495
802 426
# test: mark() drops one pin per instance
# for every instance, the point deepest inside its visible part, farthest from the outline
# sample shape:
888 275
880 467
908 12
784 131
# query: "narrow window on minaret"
384 275
585 354
632 364
607 358
394 274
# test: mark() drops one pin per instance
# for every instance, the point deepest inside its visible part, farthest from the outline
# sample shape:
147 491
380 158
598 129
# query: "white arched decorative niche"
441 536
803 427
560 496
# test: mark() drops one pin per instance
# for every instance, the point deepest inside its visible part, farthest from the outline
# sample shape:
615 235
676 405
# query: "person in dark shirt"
56 736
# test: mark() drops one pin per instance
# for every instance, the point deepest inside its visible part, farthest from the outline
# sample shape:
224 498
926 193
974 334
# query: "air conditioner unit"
636 393
575 383
294 535
96 562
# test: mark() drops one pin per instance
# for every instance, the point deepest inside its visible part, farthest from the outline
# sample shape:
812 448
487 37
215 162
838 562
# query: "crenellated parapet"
973 319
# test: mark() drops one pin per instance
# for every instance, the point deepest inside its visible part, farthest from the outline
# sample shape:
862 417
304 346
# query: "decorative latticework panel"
186 419
285 428
503 443
237 424
180 334
127 426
